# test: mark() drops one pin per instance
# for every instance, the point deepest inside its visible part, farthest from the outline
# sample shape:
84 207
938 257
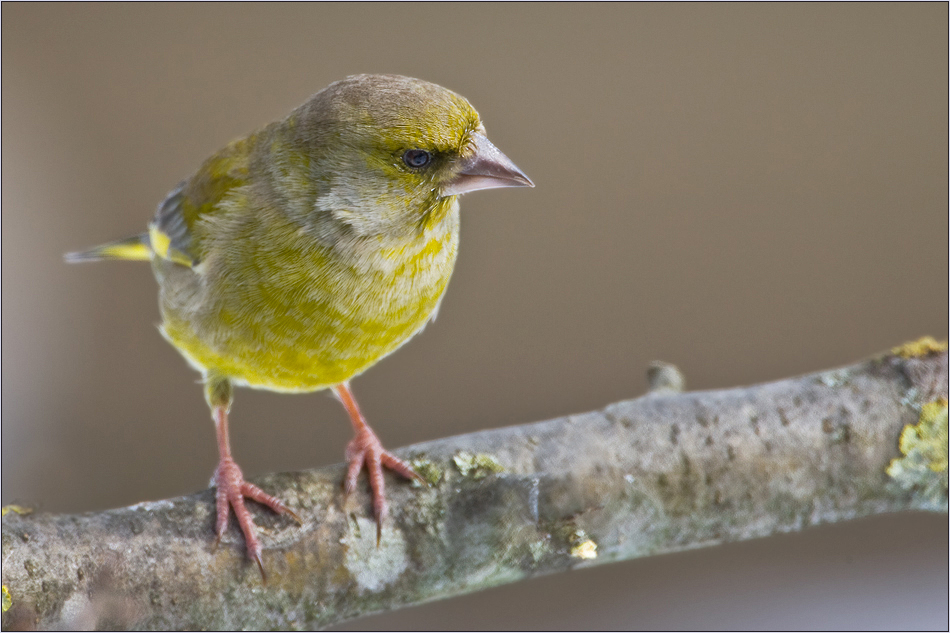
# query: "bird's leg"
365 450
229 481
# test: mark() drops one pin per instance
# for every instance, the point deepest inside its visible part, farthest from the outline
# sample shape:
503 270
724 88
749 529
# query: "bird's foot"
231 489
366 450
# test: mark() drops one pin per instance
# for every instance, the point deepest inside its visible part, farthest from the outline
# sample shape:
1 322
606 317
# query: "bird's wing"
172 232
169 232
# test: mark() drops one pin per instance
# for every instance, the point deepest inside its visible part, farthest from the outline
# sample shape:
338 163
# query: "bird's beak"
486 168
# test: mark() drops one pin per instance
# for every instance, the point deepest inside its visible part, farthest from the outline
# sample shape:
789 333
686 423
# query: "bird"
297 257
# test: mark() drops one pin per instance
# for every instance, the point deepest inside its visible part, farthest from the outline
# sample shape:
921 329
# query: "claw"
294 516
260 566
366 451
231 491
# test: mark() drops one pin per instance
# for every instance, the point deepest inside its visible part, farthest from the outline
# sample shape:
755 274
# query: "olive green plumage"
298 256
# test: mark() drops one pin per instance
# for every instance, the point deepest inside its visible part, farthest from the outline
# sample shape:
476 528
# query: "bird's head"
397 150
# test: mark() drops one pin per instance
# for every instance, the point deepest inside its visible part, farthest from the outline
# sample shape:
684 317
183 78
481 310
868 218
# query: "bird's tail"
136 248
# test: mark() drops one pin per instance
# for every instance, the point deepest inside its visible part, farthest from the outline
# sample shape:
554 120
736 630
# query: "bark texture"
661 473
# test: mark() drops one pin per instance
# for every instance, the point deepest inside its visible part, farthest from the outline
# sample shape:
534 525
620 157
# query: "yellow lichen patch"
929 435
582 546
428 470
920 347
17 509
7 600
476 465
923 466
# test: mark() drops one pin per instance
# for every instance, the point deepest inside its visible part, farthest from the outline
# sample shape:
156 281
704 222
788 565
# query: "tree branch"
665 472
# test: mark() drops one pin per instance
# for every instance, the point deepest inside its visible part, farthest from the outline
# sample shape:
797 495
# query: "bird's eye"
417 158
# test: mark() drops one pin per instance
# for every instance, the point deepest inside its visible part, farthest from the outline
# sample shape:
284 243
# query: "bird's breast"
312 317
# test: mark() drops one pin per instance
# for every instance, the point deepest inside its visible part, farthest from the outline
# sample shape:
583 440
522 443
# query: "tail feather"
136 248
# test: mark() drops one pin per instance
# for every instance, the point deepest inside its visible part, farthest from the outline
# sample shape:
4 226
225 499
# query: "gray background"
748 191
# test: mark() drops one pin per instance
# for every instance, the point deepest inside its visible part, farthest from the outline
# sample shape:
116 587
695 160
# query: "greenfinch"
297 257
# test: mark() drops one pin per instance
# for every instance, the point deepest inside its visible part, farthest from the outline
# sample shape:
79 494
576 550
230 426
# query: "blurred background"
748 191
